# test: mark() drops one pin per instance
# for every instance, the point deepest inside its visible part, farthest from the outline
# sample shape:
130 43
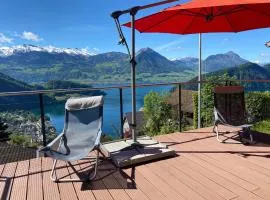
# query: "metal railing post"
180 107
121 112
42 119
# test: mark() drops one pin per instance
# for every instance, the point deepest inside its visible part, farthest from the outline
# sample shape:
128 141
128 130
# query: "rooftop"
202 169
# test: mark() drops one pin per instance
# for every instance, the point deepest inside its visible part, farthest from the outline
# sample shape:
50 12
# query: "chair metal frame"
219 119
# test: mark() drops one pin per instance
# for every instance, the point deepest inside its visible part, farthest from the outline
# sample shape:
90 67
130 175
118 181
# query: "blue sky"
87 24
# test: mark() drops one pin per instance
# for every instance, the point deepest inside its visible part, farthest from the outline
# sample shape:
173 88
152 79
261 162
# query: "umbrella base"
126 153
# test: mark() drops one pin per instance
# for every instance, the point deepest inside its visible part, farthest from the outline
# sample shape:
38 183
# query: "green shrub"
158 115
262 126
257 105
106 138
169 126
23 140
195 109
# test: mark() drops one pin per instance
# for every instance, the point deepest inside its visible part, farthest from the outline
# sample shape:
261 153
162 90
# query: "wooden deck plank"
208 184
257 174
159 183
97 186
115 189
83 189
226 173
234 164
242 151
240 184
34 188
129 185
178 184
145 186
194 185
50 188
19 188
66 189
6 180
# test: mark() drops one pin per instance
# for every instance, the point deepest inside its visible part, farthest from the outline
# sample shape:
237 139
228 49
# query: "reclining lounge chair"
229 110
81 134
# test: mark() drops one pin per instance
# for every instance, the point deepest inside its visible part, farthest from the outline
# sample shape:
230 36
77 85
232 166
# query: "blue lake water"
111 125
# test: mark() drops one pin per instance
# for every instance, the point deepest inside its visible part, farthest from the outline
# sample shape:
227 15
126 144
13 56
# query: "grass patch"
262 126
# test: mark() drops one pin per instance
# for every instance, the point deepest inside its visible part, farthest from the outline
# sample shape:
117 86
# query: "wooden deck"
203 169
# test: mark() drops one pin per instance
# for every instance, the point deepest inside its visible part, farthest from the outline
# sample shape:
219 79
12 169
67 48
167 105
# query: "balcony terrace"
202 169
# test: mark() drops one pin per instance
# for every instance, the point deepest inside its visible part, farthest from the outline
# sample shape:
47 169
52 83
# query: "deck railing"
179 85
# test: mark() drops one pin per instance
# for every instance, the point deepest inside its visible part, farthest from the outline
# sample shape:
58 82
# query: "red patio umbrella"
207 16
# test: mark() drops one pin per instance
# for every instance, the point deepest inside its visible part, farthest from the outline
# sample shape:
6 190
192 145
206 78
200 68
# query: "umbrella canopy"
206 16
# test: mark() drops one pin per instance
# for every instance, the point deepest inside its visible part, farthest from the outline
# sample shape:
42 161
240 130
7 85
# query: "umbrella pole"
133 11
133 73
199 80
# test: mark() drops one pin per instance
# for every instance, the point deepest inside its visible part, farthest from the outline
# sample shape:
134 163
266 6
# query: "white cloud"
31 36
265 55
225 40
175 45
5 39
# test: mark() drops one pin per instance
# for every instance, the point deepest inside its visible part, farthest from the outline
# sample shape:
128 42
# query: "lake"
111 116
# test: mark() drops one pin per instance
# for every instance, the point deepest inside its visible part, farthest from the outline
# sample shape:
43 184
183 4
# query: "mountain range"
51 70
34 64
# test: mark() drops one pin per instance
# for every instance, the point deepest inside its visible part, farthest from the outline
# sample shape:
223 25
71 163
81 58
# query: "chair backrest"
83 124
229 102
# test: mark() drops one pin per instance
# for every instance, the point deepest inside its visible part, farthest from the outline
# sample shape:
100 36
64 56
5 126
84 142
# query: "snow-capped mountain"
188 62
26 48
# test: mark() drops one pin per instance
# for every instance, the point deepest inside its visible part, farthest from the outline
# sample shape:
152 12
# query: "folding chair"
229 110
81 133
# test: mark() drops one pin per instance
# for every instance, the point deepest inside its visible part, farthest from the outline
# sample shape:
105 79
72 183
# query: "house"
186 101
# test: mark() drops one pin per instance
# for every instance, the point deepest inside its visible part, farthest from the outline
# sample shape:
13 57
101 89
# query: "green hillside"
248 71
8 84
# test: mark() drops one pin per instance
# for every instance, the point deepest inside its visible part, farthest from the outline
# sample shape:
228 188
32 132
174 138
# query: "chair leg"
53 173
217 133
54 179
95 169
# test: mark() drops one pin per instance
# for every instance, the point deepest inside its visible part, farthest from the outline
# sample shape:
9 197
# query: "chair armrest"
52 144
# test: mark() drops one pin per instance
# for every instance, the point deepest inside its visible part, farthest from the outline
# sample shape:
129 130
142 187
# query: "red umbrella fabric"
206 16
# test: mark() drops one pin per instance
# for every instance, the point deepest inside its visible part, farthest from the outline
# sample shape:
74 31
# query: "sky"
87 24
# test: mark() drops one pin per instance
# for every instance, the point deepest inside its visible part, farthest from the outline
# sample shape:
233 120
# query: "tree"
158 115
